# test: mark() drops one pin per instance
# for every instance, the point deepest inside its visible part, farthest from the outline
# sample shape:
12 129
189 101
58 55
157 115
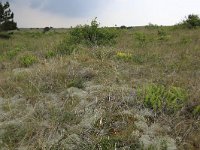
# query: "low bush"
163 99
93 35
192 21
28 60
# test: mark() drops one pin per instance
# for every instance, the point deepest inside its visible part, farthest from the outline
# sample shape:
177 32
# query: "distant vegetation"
192 21
93 87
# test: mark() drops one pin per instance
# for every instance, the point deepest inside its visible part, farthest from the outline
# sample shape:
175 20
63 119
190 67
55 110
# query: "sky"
66 13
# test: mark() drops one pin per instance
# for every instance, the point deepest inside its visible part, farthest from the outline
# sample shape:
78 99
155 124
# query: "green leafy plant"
28 60
161 98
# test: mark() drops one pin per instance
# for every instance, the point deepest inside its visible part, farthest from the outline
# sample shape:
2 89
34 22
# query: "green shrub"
92 34
161 98
192 21
46 29
28 60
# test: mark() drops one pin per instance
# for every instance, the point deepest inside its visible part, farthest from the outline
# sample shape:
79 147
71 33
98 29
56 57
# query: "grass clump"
28 60
66 47
162 35
77 82
12 135
50 54
12 53
161 98
141 38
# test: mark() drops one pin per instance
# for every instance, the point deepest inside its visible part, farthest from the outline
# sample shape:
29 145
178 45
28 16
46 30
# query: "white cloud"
110 12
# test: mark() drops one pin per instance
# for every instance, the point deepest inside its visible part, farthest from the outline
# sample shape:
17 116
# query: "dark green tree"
6 18
192 21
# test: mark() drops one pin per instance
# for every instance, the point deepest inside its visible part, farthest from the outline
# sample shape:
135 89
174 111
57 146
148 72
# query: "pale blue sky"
66 13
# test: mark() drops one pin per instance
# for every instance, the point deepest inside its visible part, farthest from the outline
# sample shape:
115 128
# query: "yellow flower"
124 56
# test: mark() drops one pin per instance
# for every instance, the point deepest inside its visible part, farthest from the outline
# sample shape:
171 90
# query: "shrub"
161 98
28 60
46 29
92 35
192 21
123 27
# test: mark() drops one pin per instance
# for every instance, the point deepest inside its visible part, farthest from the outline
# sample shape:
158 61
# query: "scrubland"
137 89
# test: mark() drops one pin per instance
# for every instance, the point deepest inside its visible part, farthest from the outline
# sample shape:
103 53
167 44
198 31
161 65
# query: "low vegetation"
100 88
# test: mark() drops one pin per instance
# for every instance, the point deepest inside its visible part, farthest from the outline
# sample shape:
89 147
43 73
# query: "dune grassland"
91 88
